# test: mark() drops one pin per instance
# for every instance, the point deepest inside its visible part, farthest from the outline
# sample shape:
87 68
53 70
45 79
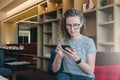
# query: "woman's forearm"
86 68
56 63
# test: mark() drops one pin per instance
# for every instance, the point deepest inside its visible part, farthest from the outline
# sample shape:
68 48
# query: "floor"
15 72
22 71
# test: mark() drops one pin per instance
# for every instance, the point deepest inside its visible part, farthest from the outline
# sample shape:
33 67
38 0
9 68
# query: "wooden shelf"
118 4
47 58
49 21
29 22
48 32
40 57
57 1
89 11
108 23
50 45
106 7
106 43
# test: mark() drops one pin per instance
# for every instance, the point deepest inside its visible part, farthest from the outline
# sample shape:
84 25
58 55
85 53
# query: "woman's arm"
58 59
56 63
89 65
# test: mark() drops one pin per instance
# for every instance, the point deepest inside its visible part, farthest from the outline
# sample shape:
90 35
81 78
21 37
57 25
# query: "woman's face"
73 25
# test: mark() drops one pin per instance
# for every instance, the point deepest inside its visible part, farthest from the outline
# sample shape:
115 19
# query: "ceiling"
6 5
8 8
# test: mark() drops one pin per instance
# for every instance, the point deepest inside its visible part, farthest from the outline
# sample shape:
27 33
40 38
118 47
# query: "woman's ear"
81 24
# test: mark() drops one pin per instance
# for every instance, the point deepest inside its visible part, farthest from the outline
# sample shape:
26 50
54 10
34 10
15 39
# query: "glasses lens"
76 25
69 26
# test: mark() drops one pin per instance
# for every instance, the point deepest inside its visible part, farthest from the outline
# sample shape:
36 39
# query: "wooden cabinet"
102 23
107 26
91 23
49 21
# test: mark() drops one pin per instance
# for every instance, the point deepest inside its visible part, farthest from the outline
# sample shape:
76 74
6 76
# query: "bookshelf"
105 26
49 19
90 23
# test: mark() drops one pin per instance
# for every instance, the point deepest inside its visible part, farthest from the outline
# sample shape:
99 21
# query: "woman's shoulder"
86 38
61 41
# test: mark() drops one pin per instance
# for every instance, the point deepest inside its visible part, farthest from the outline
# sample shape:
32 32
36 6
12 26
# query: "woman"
79 60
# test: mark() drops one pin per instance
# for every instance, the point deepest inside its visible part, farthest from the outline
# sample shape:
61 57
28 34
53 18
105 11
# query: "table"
20 65
3 78
17 52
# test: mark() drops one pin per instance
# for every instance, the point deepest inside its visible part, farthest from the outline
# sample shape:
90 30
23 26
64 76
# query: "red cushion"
100 70
114 69
113 72
100 73
112 77
107 72
100 77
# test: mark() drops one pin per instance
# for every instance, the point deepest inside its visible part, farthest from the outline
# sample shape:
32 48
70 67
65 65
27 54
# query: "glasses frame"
75 26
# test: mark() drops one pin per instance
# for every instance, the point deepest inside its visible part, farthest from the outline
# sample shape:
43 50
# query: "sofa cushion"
100 77
2 58
53 53
114 69
5 72
113 72
100 70
100 73
107 72
113 77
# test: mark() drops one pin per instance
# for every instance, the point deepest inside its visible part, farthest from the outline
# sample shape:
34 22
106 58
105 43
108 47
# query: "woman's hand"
71 53
59 50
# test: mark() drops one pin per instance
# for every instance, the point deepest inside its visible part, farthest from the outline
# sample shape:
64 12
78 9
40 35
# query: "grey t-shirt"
83 46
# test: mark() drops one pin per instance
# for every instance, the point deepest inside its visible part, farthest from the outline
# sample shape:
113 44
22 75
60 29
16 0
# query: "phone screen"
64 46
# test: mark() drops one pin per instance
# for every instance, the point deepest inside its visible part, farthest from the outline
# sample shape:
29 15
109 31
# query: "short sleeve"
60 42
90 46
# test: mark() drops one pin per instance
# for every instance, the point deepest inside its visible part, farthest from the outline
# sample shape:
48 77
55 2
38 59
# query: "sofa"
3 70
107 67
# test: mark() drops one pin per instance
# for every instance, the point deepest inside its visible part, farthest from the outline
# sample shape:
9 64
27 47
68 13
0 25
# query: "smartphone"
66 46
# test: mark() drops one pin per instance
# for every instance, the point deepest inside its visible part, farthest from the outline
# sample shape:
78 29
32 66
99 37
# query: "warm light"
56 5
8 42
23 6
46 9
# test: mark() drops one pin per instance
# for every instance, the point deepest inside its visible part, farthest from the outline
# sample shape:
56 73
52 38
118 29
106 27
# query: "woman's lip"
72 32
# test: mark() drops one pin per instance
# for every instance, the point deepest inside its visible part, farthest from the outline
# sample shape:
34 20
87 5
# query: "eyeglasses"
75 26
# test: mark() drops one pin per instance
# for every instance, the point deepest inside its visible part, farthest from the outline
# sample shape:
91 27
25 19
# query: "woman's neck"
76 37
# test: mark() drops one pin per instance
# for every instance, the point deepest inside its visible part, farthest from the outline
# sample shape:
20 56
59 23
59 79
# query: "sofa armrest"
107 58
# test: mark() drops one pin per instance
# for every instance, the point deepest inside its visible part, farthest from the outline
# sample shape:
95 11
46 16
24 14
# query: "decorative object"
84 7
109 17
103 2
89 5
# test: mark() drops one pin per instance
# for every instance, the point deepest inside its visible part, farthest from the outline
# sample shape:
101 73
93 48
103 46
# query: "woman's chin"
73 35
